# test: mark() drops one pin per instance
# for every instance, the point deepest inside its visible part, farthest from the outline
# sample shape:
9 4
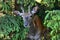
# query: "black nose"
25 25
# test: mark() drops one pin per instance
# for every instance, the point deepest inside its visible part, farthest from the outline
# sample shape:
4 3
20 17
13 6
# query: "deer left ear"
34 10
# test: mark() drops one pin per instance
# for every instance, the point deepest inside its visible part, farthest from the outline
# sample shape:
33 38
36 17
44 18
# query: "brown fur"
44 32
38 23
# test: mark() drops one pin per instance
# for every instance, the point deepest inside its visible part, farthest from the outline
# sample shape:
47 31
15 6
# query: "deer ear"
17 13
34 10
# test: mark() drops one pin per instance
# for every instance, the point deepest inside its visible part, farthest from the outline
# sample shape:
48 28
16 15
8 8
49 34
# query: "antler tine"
29 9
22 9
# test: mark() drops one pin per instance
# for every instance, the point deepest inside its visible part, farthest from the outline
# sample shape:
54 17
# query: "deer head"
26 16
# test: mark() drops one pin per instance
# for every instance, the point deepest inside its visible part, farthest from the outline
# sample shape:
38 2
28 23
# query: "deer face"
26 16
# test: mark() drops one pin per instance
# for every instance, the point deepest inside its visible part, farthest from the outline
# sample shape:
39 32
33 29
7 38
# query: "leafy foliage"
12 24
52 20
11 27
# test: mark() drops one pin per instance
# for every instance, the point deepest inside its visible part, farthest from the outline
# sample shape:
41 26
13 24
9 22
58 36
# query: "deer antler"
22 9
29 9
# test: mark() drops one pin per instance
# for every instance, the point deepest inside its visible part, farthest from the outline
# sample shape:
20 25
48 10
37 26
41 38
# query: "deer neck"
38 23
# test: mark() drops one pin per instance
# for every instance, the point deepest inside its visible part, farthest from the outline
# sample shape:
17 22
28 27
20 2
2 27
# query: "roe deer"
34 23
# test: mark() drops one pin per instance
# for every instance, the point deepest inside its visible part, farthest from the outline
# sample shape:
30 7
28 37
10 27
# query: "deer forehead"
26 15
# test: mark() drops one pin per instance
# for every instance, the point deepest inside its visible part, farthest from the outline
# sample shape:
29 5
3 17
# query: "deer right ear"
17 13
34 10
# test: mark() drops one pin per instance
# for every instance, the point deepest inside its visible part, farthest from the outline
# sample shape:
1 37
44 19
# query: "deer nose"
25 24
